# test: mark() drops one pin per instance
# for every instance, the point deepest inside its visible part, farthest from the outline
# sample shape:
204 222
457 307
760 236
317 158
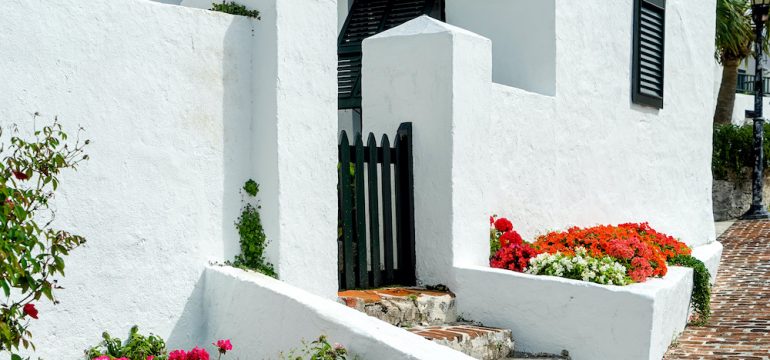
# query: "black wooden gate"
370 255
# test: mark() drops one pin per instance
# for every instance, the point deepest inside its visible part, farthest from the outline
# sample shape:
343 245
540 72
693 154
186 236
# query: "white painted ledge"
264 317
591 321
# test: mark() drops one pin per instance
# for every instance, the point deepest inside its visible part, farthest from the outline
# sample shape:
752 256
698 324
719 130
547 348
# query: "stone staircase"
432 315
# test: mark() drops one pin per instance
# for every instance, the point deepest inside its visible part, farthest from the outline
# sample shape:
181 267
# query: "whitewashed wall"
183 106
265 317
523 34
583 157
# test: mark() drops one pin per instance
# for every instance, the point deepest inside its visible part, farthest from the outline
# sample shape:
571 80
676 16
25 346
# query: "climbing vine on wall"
252 236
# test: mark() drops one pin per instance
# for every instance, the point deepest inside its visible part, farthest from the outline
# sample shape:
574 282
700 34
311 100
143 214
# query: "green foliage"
701 289
320 349
31 251
234 8
734 150
734 31
136 347
251 187
253 239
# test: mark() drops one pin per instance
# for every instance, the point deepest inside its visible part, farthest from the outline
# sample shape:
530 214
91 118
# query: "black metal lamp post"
759 12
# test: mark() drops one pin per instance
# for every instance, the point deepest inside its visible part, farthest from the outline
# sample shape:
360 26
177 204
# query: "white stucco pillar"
295 132
438 77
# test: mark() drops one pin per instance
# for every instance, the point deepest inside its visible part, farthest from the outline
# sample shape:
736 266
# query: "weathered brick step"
404 307
480 342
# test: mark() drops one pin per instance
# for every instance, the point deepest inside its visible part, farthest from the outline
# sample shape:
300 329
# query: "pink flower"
150 358
198 354
103 357
177 355
224 345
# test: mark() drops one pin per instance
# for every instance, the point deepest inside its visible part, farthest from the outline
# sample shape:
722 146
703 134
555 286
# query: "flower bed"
605 254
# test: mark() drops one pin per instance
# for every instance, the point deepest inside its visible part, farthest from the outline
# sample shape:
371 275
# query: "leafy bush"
734 151
152 347
701 290
32 251
234 8
136 347
252 236
580 266
320 349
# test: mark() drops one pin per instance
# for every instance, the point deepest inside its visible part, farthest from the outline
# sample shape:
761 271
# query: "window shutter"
367 18
649 46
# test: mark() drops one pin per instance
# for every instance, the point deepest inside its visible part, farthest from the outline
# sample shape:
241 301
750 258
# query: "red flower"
514 257
223 345
30 310
177 355
20 175
503 225
198 354
511 237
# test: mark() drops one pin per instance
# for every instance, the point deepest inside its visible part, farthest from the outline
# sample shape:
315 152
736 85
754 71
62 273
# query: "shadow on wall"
189 330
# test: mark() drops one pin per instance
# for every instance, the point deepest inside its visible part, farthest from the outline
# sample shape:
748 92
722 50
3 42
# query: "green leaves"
234 8
701 288
31 252
252 237
135 347
734 150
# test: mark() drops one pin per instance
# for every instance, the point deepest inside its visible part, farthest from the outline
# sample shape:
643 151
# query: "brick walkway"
740 322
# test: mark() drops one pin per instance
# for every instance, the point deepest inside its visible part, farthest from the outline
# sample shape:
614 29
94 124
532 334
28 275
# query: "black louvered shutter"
367 18
649 40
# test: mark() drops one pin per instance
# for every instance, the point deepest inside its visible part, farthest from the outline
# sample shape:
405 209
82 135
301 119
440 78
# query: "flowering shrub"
514 256
152 347
642 250
32 251
580 266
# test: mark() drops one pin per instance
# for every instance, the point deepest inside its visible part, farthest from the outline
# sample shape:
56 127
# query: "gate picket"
374 226
346 209
360 214
387 210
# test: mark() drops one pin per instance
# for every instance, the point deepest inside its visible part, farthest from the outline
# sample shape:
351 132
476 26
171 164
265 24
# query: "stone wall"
732 197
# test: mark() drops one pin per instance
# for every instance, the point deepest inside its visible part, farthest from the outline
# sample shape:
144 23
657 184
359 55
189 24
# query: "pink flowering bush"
152 347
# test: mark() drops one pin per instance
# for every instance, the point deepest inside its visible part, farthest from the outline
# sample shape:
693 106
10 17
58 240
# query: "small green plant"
701 289
252 236
320 349
136 347
32 251
234 8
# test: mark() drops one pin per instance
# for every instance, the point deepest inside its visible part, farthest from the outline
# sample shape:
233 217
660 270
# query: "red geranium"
503 225
511 237
514 257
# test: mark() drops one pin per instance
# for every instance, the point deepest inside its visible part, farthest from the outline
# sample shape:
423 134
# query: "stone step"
404 307
483 343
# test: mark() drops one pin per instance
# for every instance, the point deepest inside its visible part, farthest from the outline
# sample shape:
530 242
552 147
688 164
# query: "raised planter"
551 314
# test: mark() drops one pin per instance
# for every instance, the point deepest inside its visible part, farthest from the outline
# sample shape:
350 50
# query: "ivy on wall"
252 236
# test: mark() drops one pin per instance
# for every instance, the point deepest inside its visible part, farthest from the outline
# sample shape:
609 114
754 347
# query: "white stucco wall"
183 106
550 314
746 102
523 34
264 317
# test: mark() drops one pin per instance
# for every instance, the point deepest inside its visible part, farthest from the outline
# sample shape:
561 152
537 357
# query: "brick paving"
740 324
